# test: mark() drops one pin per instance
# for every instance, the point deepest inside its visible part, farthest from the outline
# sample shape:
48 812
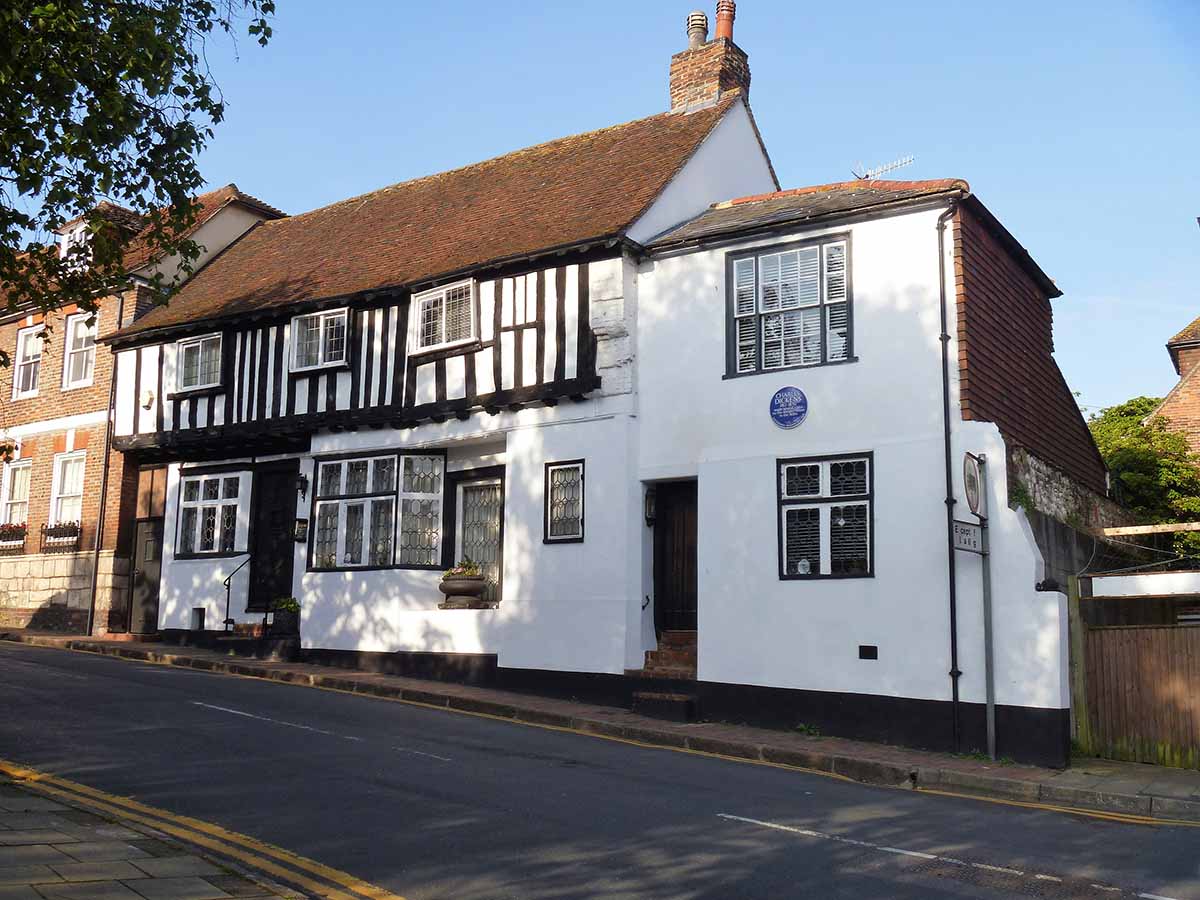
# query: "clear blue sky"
1077 123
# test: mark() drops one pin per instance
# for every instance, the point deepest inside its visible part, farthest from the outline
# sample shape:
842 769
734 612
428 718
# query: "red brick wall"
53 402
1006 357
1182 406
703 74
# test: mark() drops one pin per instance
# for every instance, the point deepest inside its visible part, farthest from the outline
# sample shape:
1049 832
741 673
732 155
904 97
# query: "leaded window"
446 315
208 514
356 512
563 519
319 339
825 517
790 307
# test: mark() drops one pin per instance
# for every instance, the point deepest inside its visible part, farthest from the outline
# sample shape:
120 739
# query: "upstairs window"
319 340
789 307
825 517
74 247
66 496
199 363
208 514
29 362
79 360
446 316
15 510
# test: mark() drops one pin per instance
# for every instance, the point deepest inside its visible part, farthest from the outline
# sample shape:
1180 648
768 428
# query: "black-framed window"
210 518
825 516
789 306
562 522
379 511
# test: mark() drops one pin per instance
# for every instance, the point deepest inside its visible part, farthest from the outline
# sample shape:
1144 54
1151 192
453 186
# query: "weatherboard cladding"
535 344
1006 356
564 193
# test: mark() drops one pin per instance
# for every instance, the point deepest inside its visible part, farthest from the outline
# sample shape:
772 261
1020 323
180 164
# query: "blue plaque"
789 407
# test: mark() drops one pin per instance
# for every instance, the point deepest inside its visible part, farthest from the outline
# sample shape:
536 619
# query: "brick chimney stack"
707 70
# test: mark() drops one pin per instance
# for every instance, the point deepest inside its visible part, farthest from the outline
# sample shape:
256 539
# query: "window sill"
825 577
186 557
313 570
30 396
445 351
824 365
456 603
563 540
194 393
78 386
342 366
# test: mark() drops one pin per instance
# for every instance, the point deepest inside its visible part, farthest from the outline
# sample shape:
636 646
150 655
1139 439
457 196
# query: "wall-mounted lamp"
302 485
649 505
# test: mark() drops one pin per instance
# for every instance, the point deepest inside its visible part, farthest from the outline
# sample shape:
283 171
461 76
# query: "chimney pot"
697 29
726 11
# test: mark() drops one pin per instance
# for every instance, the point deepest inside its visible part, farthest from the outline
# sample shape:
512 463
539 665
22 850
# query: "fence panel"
1143 693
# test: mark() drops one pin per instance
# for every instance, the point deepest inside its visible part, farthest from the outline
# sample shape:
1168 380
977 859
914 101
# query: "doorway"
675 556
146 571
272 542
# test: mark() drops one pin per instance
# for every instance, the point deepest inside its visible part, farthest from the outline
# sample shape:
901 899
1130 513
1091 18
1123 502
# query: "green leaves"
1154 471
103 101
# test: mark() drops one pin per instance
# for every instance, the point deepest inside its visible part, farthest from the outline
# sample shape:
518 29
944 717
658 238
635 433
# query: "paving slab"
237 886
103 851
178 889
98 871
26 821
40 836
18 892
177 866
27 875
88 890
32 855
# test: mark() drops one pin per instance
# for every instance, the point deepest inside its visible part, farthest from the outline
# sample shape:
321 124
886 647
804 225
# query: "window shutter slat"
747 345
835 273
743 287
837 324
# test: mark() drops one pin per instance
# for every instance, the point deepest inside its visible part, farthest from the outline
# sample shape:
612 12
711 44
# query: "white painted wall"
213 236
729 163
755 628
1146 584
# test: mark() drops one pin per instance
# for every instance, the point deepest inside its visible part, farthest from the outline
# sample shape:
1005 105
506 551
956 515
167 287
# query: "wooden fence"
1141 691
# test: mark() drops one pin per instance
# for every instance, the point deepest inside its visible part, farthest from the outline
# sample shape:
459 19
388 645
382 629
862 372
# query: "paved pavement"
52 851
430 804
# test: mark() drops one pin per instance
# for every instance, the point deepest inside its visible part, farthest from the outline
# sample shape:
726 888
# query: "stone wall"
52 592
1034 482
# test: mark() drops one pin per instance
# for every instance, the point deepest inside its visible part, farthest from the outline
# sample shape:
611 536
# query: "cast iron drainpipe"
955 674
108 430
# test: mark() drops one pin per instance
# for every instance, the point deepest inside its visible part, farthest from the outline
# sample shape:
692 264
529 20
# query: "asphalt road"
437 805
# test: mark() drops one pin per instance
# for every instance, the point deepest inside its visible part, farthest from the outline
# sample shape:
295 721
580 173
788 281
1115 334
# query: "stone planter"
463 592
285 622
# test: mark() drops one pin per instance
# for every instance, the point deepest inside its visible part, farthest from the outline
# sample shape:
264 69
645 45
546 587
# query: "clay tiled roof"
1187 335
801 204
564 193
138 253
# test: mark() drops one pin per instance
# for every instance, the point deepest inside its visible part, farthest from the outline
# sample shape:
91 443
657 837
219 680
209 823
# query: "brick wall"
1006 357
704 74
1181 408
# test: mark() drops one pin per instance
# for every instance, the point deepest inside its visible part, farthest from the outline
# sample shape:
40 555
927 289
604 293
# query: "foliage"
466 568
1018 495
103 101
287 604
1155 474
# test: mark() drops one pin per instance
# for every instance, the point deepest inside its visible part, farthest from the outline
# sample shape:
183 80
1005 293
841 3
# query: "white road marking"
821 835
422 753
238 712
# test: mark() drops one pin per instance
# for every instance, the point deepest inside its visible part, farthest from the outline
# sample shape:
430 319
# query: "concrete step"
662 705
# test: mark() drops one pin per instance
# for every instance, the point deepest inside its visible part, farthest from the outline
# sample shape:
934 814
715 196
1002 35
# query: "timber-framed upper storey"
529 341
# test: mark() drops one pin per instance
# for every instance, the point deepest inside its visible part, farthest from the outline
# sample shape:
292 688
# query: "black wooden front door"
272 523
147 567
675 556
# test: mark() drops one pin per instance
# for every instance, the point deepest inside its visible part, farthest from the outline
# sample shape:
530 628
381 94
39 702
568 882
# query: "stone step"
679 673
663 705
677 640
671 658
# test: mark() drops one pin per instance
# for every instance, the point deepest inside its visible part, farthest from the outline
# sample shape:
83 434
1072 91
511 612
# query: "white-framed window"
563 518
79 345
15 509
825 517
208 513
66 490
790 307
199 362
28 362
319 339
446 316
357 523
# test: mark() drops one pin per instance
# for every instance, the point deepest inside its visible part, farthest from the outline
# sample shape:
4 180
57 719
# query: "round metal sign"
789 407
971 481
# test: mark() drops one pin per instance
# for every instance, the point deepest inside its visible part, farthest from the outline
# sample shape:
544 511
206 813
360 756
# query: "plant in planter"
463 586
287 616
62 531
13 532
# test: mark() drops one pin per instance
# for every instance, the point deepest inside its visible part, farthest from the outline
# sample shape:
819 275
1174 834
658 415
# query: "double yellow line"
312 876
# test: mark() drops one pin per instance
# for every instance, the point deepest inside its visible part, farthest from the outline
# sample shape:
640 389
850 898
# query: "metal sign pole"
988 655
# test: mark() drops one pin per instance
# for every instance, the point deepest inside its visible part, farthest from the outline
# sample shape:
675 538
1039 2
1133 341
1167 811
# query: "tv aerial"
867 174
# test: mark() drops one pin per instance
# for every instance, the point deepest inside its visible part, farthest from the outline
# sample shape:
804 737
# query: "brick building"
67 501
1181 407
